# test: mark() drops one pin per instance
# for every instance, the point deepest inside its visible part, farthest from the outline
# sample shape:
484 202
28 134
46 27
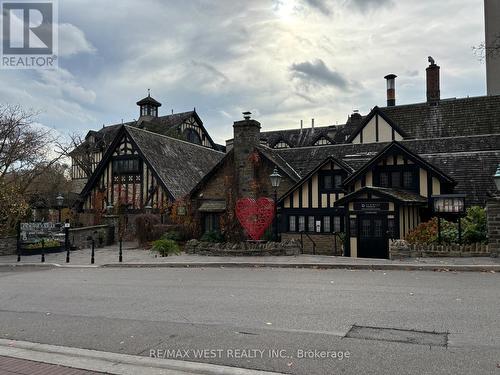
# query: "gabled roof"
329 159
374 112
149 100
448 117
178 164
400 148
401 196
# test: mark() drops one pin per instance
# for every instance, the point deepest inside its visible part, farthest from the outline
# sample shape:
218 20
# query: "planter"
46 250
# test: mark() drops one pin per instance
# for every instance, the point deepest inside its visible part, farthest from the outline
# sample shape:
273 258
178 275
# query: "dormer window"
322 142
281 144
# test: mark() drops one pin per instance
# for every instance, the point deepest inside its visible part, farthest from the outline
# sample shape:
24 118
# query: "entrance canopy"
402 197
213 206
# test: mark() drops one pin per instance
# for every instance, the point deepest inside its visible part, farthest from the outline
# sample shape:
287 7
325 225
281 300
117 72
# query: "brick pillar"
246 139
493 217
433 84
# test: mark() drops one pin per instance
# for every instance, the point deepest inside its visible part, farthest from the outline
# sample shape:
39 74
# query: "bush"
166 247
145 228
212 236
173 235
427 233
46 243
474 225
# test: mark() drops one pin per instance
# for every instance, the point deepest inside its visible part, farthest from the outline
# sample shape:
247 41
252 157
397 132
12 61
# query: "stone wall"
290 247
493 217
400 249
81 237
8 246
325 244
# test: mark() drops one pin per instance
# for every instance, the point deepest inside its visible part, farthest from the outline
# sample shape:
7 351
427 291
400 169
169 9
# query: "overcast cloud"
284 60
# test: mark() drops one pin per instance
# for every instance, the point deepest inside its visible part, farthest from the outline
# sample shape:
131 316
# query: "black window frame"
331 174
390 170
119 162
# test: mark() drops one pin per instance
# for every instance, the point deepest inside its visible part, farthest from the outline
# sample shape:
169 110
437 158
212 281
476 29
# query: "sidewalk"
133 257
23 358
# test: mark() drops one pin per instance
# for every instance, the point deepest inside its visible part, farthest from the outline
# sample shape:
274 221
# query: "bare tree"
25 154
26 149
80 152
484 51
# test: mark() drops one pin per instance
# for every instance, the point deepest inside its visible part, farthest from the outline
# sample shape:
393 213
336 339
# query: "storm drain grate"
398 335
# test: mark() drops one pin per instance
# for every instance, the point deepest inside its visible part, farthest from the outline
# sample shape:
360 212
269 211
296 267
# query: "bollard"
66 239
92 260
43 251
18 241
120 257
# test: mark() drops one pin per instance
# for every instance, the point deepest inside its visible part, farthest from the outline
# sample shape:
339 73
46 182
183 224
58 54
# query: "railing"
310 239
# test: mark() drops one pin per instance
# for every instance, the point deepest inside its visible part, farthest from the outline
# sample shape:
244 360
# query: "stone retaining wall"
103 235
243 248
325 244
401 249
8 246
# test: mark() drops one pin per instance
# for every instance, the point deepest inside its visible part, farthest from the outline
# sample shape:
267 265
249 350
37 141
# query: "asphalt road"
265 318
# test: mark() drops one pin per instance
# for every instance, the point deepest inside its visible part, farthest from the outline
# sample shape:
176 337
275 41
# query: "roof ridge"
173 139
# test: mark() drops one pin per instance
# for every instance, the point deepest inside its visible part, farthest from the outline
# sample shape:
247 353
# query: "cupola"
148 106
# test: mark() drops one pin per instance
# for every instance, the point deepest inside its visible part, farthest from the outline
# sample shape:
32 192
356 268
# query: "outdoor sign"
449 204
371 206
35 230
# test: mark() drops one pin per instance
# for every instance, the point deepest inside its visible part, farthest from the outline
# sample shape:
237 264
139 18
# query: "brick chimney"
433 82
246 139
391 89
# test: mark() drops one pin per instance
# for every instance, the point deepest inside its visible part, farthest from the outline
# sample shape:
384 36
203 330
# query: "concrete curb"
351 266
321 266
114 363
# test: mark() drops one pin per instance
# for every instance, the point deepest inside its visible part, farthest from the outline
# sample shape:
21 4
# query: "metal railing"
310 239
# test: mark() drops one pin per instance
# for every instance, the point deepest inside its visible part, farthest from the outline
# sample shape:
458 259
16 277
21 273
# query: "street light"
496 177
275 183
60 202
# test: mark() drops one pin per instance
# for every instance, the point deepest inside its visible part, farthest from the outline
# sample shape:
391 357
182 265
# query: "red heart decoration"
255 216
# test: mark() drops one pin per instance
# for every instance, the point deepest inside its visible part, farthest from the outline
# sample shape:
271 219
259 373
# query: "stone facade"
288 247
8 246
493 217
82 237
325 244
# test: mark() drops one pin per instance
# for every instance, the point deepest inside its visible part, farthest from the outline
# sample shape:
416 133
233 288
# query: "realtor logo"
29 34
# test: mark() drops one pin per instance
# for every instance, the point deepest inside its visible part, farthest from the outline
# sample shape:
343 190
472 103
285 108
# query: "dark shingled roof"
448 118
179 164
396 194
470 161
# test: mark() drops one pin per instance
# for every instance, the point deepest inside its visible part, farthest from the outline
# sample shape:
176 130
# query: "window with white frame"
282 144
322 142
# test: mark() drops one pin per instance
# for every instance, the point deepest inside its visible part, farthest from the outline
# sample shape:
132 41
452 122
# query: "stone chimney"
391 89
492 44
433 82
246 139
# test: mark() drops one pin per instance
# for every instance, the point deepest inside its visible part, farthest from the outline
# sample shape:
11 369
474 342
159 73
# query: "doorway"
373 239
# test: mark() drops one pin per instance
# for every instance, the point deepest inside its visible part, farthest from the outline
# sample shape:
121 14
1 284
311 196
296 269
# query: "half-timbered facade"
187 126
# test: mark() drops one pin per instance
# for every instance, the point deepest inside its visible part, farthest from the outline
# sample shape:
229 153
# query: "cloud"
320 5
72 41
368 5
317 72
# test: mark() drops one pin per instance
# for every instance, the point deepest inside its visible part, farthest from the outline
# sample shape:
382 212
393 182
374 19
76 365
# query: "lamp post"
60 202
275 183
496 177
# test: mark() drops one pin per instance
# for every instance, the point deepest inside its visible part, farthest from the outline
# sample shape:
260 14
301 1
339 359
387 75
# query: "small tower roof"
149 100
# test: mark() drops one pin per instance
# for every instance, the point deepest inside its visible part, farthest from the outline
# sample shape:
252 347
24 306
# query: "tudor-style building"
374 178
146 164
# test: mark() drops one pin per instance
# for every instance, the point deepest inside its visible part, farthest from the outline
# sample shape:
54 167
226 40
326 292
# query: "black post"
66 239
43 251
275 215
18 241
459 230
335 242
92 255
60 218
120 256
439 230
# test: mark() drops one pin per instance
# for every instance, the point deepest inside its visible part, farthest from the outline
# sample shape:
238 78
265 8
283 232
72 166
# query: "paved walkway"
132 256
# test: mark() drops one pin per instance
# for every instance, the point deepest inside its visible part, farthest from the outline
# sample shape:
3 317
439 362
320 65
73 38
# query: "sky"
283 60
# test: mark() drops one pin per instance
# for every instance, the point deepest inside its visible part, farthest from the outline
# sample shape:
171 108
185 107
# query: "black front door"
373 241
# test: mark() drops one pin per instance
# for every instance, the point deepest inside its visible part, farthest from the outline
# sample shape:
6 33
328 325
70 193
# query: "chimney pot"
433 82
391 89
